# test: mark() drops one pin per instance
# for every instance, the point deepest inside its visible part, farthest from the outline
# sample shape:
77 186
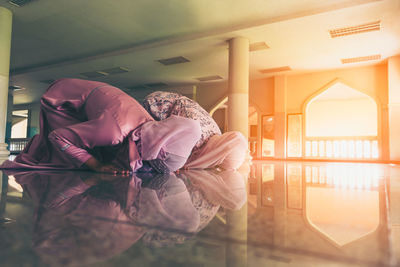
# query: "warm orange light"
355 176
321 121
315 175
367 149
329 149
375 149
351 147
359 149
336 149
314 148
308 149
343 149
322 175
308 174
321 148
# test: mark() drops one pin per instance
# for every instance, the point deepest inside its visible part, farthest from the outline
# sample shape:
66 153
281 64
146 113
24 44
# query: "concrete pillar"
280 96
236 248
238 120
5 47
238 92
394 107
194 92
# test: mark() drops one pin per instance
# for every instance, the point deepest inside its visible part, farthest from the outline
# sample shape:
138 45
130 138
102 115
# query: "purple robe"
80 119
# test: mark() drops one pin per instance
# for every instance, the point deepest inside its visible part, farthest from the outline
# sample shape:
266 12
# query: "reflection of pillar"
259 176
385 239
280 116
3 197
236 248
238 93
10 104
394 107
259 136
394 212
5 45
280 204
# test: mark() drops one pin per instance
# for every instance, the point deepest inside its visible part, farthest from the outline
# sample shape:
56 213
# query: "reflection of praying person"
79 224
209 190
97 126
213 149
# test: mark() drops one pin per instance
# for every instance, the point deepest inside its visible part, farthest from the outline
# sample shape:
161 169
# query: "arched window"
341 123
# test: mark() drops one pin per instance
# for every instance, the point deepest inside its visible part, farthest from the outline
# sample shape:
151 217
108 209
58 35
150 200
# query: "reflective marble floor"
271 214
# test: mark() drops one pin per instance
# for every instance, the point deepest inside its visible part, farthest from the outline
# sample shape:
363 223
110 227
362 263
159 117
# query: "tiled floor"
293 214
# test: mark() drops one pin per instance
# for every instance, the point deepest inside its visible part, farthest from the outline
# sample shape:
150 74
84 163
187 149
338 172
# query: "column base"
4 153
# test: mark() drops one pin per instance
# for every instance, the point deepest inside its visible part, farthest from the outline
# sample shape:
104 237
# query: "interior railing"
362 147
16 145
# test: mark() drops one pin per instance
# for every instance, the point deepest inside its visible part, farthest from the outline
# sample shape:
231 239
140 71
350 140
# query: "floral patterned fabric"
161 105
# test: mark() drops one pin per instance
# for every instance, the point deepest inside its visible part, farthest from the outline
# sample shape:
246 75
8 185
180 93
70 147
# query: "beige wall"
371 80
261 95
220 118
208 95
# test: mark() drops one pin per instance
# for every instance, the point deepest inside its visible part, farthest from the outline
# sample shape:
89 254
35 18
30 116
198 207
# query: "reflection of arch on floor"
329 134
342 237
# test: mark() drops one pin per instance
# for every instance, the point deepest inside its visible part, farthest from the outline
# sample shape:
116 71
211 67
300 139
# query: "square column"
280 96
238 120
394 107
5 48
238 92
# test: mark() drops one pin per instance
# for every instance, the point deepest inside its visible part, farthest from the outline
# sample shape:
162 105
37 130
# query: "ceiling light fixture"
209 78
258 46
15 88
49 81
94 74
116 70
20 3
152 85
173 60
368 27
360 59
272 70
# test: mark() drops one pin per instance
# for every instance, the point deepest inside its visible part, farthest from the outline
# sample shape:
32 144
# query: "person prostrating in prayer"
93 125
213 150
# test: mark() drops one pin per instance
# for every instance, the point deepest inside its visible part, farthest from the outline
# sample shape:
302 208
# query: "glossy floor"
275 214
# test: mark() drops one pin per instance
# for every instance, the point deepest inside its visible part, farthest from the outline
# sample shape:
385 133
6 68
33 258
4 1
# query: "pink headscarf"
170 141
227 151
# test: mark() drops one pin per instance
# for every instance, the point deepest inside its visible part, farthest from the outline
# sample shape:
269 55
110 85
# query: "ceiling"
55 39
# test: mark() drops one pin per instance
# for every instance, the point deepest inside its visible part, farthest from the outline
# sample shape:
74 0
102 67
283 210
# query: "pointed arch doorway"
341 123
